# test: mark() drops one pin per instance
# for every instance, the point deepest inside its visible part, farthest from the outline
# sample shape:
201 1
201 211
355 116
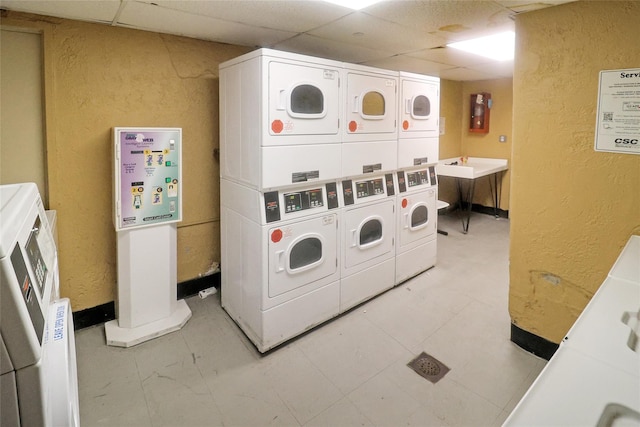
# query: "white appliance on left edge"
280 257
38 385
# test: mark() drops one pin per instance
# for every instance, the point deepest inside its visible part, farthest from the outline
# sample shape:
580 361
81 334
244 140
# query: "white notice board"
147 176
618 117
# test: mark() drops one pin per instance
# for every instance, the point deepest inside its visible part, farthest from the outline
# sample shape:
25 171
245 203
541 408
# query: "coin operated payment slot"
479 111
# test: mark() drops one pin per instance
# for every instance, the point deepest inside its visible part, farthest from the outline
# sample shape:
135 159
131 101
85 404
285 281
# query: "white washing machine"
367 238
38 382
279 119
369 136
418 114
280 263
416 228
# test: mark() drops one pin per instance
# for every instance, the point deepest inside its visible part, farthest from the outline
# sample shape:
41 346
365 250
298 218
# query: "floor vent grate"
428 367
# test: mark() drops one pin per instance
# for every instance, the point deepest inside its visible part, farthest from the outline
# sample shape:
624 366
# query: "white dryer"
418 114
367 238
38 381
369 136
279 119
280 271
416 229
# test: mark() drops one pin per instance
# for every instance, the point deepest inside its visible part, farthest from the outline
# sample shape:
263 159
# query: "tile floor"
350 371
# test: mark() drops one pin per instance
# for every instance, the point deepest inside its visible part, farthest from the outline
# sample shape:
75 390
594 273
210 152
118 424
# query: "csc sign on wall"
618 117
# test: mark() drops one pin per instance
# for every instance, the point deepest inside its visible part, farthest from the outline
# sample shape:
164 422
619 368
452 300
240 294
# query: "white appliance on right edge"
419 110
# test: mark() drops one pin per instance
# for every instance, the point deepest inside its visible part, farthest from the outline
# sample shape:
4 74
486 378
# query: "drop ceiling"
397 35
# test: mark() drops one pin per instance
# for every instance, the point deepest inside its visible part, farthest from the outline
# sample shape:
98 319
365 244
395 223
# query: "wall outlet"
502 138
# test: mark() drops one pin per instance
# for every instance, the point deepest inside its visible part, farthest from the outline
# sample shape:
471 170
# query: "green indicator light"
167 180
168 163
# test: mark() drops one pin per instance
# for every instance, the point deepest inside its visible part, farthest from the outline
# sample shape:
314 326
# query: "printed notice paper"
147 184
618 119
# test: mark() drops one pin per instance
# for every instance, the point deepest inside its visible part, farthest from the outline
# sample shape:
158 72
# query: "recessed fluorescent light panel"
499 47
354 4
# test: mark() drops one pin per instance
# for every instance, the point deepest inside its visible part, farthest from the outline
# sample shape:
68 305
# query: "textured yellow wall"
98 77
451 110
458 141
450 143
487 144
572 209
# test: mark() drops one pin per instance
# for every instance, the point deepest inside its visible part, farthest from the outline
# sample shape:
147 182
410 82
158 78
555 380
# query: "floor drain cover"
428 367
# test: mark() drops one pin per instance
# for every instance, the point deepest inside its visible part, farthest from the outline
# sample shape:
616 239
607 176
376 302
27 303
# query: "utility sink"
475 167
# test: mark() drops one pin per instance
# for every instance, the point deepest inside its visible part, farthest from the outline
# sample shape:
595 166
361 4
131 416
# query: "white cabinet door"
303 100
419 108
417 216
368 232
370 106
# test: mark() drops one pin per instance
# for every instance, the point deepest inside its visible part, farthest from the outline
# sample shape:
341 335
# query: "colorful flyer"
618 117
147 184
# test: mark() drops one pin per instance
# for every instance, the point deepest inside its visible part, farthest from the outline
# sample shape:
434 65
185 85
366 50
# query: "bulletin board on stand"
147 176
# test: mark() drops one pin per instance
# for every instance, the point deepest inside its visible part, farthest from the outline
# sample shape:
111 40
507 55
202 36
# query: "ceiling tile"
448 55
368 31
452 20
465 74
156 18
410 64
520 6
294 16
408 35
497 69
322 48
94 11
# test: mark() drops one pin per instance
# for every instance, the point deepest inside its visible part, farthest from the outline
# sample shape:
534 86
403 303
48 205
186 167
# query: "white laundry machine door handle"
282 105
354 238
356 106
406 220
279 261
407 108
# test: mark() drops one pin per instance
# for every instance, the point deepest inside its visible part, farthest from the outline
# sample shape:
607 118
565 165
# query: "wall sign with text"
147 176
618 117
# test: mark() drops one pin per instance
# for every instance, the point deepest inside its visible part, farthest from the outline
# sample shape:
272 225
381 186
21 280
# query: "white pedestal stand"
147 305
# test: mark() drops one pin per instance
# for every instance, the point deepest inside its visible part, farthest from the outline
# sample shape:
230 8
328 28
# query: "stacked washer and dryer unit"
418 152
38 381
309 159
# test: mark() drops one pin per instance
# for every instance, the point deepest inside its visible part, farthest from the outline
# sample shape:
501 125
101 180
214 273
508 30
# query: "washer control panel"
408 180
418 178
367 189
299 202
302 200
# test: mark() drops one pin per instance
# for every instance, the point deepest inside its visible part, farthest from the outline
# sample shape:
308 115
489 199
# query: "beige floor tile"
350 371
341 414
383 402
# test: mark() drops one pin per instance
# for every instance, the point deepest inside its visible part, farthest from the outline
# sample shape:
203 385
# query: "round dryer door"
302 253
368 232
417 217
